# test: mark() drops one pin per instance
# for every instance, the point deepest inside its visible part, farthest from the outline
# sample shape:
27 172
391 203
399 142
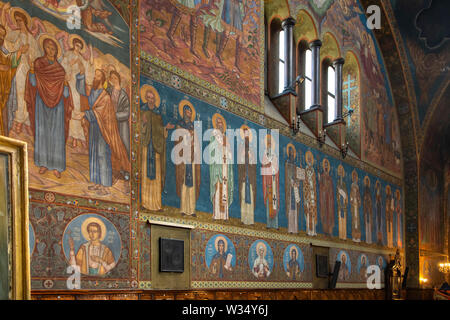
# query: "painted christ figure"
271 183
221 170
326 198
291 190
247 177
108 158
187 173
342 201
378 210
367 207
153 141
49 104
310 195
355 203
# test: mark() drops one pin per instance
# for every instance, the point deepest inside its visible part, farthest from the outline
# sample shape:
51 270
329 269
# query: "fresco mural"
218 41
372 130
363 263
69 95
354 209
346 266
293 262
260 259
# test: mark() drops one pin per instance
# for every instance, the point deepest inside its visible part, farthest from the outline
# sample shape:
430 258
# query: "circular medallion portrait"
363 263
293 261
346 267
220 256
260 259
92 243
381 262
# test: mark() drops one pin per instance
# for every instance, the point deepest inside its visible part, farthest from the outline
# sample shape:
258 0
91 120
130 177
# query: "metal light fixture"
348 113
321 137
344 150
296 125
444 267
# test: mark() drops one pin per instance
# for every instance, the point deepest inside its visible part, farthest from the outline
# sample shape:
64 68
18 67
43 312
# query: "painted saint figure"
121 104
342 201
93 257
221 261
261 268
310 195
389 217
108 157
18 36
271 183
367 207
187 173
293 267
71 61
344 271
292 197
326 198
247 176
398 211
153 141
355 203
363 267
221 170
9 61
49 104
378 210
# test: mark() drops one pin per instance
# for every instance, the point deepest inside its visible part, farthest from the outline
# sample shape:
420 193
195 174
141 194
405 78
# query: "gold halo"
309 155
341 171
43 37
290 146
397 193
214 118
241 132
364 256
216 243
293 248
261 245
367 180
377 184
323 164
18 9
76 36
144 90
354 173
388 187
96 220
181 106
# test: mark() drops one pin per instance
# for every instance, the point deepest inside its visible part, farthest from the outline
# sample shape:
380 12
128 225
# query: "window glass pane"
281 53
331 80
308 88
281 77
331 108
308 61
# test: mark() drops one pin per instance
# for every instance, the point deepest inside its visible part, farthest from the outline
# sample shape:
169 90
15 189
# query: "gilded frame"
20 282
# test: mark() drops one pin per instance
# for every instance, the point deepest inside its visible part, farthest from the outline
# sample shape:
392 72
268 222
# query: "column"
288 27
338 64
315 94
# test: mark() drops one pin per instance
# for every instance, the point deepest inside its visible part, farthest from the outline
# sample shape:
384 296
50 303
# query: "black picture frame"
322 266
171 255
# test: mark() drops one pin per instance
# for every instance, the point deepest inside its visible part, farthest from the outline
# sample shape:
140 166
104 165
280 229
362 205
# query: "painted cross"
349 89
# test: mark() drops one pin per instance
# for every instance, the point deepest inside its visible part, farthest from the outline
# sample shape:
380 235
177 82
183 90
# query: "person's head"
2 34
187 113
50 49
94 231
326 166
219 124
150 97
293 254
77 45
99 79
291 153
260 251
114 78
21 20
221 246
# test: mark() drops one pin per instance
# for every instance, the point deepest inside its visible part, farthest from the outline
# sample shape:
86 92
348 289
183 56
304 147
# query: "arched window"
275 69
331 92
308 79
282 60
